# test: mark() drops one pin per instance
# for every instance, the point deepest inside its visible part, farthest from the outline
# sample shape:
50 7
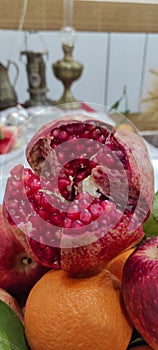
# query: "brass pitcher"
8 97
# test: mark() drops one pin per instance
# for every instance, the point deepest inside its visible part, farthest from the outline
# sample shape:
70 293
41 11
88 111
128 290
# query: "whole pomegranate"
86 195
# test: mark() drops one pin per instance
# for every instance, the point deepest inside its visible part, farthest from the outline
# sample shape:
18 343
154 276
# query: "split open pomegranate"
85 195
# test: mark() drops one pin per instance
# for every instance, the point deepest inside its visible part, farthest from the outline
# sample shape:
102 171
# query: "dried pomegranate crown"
89 189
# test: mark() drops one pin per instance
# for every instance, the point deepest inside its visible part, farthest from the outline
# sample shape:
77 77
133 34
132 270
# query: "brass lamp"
67 70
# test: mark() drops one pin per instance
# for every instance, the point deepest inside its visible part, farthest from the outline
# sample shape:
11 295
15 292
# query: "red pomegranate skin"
87 193
140 290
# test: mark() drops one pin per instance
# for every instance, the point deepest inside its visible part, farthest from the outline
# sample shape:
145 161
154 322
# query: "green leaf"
1 136
150 226
155 206
116 104
12 334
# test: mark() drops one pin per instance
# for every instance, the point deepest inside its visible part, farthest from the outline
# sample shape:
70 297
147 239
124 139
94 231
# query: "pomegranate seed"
44 215
96 133
86 134
63 136
63 182
101 139
78 128
56 220
108 207
70 128
34 185
55 132
80 176
77 224
67 223
85 216
91 125
73 213
96 210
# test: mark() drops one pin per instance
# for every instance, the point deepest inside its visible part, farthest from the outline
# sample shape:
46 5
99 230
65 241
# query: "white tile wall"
111 61
91 50
126 59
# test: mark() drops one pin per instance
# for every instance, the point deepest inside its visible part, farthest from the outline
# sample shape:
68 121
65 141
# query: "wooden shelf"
88 15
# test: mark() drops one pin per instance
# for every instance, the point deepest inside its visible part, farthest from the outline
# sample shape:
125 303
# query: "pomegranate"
85 196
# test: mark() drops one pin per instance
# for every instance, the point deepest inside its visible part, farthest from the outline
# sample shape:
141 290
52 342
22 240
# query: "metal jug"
8 97
36 78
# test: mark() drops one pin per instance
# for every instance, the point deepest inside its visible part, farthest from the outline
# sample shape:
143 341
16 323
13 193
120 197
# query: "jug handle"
17 71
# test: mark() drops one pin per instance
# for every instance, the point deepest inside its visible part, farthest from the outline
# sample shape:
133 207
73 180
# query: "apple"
12 303
18 272
140 290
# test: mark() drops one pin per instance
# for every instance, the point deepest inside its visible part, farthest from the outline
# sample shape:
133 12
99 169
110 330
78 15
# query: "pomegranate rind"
87 257
140 167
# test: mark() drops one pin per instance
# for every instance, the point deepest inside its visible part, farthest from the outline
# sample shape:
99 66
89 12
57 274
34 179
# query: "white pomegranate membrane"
87 193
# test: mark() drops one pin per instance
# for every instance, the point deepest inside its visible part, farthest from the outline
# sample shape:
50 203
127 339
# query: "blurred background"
116 41
111 61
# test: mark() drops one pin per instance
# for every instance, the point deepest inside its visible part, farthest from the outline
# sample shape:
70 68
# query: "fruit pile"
71 227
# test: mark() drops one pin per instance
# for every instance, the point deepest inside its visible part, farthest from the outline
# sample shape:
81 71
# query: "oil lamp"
67 70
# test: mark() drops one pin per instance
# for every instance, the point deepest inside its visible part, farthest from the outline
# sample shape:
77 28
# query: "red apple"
18 272
140 290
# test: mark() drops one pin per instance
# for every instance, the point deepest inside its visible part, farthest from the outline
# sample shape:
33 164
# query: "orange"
67 313
116 265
